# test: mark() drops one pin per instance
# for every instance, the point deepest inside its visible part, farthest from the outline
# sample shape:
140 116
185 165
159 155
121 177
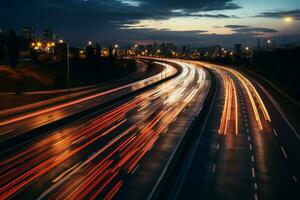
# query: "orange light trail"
120 144
229 103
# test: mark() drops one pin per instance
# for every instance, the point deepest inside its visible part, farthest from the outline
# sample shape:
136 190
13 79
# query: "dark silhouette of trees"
90 55
110 54
13 47
98 52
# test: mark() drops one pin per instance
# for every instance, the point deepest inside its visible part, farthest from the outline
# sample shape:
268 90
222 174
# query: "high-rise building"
49 35
237 50
217 50
186 49
27 32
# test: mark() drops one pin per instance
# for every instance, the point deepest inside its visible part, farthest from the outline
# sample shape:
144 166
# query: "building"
27 32
217 51
237 49
186 49
49 35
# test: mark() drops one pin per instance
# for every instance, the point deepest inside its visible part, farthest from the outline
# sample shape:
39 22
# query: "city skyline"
197 23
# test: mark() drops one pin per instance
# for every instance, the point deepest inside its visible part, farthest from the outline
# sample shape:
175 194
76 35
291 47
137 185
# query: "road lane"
92 158
20 124
240 156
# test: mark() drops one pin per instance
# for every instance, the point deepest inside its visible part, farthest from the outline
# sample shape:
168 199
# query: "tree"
13 47
110 53
90 55
98 52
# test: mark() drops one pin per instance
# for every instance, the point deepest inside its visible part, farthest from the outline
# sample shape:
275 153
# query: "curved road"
96 155
247 150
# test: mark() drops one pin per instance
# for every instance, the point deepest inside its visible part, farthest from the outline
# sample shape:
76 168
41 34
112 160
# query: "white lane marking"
8 131
283 151
247 130
246 124
275 132
249 138
255 186
250 146
218 146
253 172
255 197
134 170
294 178
252 158
214 168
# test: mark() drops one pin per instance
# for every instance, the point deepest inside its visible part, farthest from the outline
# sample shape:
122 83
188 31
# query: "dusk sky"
197 22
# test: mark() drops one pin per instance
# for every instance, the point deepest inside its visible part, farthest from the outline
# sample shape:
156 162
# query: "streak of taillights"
236 109
100 172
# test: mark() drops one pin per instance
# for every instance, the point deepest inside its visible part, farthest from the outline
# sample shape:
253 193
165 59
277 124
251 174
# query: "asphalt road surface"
244 149
93 156
247 149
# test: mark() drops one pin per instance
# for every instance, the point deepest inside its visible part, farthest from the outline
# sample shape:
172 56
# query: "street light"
90 43
288 19
61 41
116 46
269 41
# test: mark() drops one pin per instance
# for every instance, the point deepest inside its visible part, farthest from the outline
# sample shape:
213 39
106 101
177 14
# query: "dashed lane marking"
275 132
294 178
283 152
255 186
214 168
253 172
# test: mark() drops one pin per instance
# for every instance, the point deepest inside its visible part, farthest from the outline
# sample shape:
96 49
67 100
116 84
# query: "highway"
246 150
99 154
21 123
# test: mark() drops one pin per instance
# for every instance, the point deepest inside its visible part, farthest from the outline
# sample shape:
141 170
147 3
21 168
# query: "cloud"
235 26
280 14
256 30
250 30
213 15
71 16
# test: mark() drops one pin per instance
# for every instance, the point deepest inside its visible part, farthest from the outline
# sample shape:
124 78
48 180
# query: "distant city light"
90 43
39 44
269 41
61 41
288 19
116 46
247 48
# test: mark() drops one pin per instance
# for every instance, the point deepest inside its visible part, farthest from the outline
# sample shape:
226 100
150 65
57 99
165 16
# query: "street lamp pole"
68 68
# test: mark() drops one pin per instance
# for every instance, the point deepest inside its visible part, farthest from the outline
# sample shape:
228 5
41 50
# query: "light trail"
230 102
116 142
167 71
251 91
